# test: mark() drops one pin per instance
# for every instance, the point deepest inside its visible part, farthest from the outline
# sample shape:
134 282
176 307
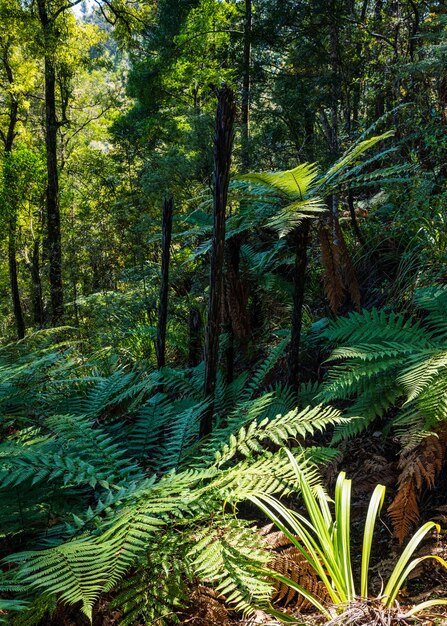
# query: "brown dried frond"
206 609
332 279
347 271
419 466
404 510
273 539
340 276
289 561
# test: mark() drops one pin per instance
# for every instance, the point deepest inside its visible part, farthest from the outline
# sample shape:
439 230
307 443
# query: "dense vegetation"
223 283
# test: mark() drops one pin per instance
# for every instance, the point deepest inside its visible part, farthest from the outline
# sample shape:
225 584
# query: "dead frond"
419 466
288 561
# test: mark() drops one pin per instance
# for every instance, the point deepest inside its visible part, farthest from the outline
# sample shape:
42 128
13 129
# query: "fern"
96 492
388 362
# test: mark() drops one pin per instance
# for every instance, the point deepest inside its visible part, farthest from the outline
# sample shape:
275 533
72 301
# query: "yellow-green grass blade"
314 511
425 605
343 522
375 506
311 551
401 568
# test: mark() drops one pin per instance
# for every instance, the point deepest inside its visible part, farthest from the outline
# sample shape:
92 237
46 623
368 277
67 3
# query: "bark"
300 242
53 211
245 104
356 90
223 144
335 67
160 344
17 306
233 254
53 239
233 281
194 343
36 294
354 222
12 260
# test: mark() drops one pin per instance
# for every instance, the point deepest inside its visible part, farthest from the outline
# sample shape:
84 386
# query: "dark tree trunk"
354 222
232 280
160 344
53 212
37 299
194 344
378 9
245 104
356 89
12 260
223 144
17 306
300 242
335 67
53 239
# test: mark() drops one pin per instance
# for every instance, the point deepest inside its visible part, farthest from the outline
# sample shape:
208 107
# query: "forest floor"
367 462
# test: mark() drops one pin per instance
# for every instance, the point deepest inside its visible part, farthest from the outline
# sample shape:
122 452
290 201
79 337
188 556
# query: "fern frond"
294 183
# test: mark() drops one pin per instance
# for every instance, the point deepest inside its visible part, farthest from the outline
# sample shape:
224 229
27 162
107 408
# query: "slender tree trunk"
194 343
36 296
356 95
335 95
53 211
223 144
233 282
354 222
53 239
17 306
168 207
245 105
300 241
12 260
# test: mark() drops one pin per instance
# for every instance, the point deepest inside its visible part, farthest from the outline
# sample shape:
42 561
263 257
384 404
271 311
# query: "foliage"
78 482
324 541
391 361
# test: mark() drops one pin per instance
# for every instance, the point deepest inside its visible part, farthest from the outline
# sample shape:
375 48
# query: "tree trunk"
12 260
300 241
223 144
245 104
354 222
17 306
160 344
232 280
36 296
53 211
194 344
53 239
231 287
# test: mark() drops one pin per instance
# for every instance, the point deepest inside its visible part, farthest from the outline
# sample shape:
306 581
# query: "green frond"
420 371
234 562
291 216
263 369
376 325
279 431
293 183
384 361
350 157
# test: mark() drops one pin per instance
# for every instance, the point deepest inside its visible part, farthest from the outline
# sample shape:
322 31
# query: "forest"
223 312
